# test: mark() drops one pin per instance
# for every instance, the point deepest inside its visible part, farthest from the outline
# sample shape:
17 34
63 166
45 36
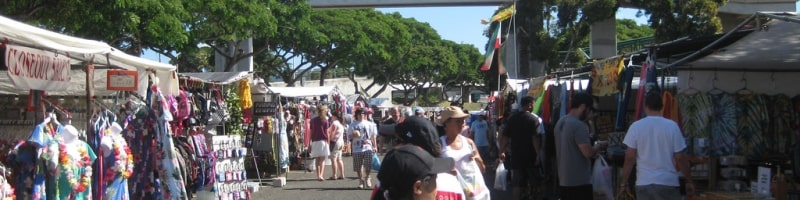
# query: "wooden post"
90 132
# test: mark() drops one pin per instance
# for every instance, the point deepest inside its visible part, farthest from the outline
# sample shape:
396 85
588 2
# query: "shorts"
362 159
320 149
524 177
654 191
336 149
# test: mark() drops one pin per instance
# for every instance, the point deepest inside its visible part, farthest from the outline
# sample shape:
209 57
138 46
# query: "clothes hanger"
690 89
714 90
744 90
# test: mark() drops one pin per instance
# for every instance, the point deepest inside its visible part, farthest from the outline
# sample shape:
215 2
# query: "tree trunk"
352 76
322 72
380 91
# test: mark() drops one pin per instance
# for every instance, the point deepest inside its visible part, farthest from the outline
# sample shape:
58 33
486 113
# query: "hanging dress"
168 169
724 132
28 163
779 135
119 166
696 112
141 140
283 152
753 119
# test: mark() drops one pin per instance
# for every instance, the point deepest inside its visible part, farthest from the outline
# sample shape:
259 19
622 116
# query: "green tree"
285 55
464 74
384 58
130 26
627 29
225 25
195 60
674 19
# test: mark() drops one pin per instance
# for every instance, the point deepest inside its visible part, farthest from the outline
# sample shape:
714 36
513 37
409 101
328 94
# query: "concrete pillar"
244 65
603 42
509 60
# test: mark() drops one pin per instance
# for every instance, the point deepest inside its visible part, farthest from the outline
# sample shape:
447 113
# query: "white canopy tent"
96 52
77 85
303 91
82 51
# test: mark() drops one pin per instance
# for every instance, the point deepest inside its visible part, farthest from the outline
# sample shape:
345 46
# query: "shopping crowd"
438 155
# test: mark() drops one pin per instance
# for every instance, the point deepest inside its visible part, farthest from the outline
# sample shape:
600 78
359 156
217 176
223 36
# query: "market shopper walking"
523 131
480 135
336 131
654 145
363 146
574 151
468 161
421 132
320 140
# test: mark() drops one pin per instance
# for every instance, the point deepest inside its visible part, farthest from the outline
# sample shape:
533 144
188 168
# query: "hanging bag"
500 177
601 180
376 162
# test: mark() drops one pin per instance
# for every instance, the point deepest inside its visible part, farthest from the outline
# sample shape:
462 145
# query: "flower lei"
121 167
78 185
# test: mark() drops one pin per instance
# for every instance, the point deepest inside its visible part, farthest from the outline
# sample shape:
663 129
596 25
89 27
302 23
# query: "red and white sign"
33 69
122 80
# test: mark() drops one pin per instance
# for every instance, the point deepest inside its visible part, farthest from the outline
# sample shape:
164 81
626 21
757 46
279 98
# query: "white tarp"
76 86
303 91
220 77
83 49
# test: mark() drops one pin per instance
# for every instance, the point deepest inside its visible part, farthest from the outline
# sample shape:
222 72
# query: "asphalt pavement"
304 185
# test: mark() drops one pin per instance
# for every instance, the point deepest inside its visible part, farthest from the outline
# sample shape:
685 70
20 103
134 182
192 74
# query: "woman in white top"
336 134
468 161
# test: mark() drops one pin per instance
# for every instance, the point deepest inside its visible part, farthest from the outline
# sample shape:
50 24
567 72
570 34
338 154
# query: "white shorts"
320 149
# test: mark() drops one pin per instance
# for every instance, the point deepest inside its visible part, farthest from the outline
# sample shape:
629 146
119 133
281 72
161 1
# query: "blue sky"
458 24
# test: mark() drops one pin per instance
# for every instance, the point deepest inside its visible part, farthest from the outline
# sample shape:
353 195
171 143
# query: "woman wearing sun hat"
468 161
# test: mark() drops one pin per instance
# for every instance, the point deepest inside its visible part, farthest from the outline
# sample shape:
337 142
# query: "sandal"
332 178
340 178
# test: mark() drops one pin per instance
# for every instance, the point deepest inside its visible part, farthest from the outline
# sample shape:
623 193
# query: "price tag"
122 80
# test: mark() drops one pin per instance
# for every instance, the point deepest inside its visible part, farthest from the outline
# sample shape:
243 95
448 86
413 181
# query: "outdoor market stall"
41 61
301 113
739 105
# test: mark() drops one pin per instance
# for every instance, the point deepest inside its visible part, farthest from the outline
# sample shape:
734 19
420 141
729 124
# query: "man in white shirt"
364 145
654 145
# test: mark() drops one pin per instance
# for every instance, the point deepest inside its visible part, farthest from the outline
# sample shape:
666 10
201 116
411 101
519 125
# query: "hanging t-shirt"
78 170
696 111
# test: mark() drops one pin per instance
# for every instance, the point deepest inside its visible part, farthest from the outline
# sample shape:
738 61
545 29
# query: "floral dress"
28 161
142 144
166 160
119 168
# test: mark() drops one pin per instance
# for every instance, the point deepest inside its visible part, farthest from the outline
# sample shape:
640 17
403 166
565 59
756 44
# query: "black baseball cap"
420 132
406 164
